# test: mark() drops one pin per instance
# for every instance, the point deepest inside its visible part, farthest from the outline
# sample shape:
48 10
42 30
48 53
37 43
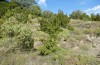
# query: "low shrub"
97 32
48 47
24 39
9 30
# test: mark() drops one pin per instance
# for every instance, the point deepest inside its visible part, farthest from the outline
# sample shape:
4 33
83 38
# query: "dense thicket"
5 6
50 23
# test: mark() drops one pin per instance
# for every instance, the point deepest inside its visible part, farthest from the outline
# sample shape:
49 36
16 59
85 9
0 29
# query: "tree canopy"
25 2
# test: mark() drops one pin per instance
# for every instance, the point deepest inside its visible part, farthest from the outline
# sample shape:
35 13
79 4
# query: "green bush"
50 26
49 46
79 15
47 14
53 24
95 17
4 6
9 30
1 22
22 13
25 40
35 10
24 3
62 19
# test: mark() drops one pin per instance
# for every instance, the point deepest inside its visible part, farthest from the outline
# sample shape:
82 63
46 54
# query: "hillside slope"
81 46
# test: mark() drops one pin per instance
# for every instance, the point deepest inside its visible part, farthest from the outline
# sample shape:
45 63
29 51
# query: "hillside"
81 43
31 37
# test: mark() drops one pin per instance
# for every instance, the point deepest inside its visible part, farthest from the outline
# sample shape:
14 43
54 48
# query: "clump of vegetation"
5 6
83 16
25 40
95 17
54 23
49 46
79 15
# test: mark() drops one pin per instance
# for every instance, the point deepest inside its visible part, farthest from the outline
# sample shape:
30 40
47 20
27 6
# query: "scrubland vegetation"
29 36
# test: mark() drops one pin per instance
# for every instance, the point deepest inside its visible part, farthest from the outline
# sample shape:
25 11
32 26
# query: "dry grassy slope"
84 35
81 41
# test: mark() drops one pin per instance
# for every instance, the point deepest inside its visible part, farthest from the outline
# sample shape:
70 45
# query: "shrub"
98 17
53 24
50 26
24 39
35 10
85 17
76 14
1 22
62 19
19 15
49 46
25 3
9 30
47 14
22 13
4 6
95 17
79 15
69 27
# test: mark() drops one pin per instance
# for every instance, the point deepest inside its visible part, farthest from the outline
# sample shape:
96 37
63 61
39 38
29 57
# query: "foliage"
22 14
16 31
62 19
53 24
5 6
49 46
25 39
22 33
95 17
9 30
63 34
24 2
47 14
79 15
50 25
76 14
85 17
35 10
